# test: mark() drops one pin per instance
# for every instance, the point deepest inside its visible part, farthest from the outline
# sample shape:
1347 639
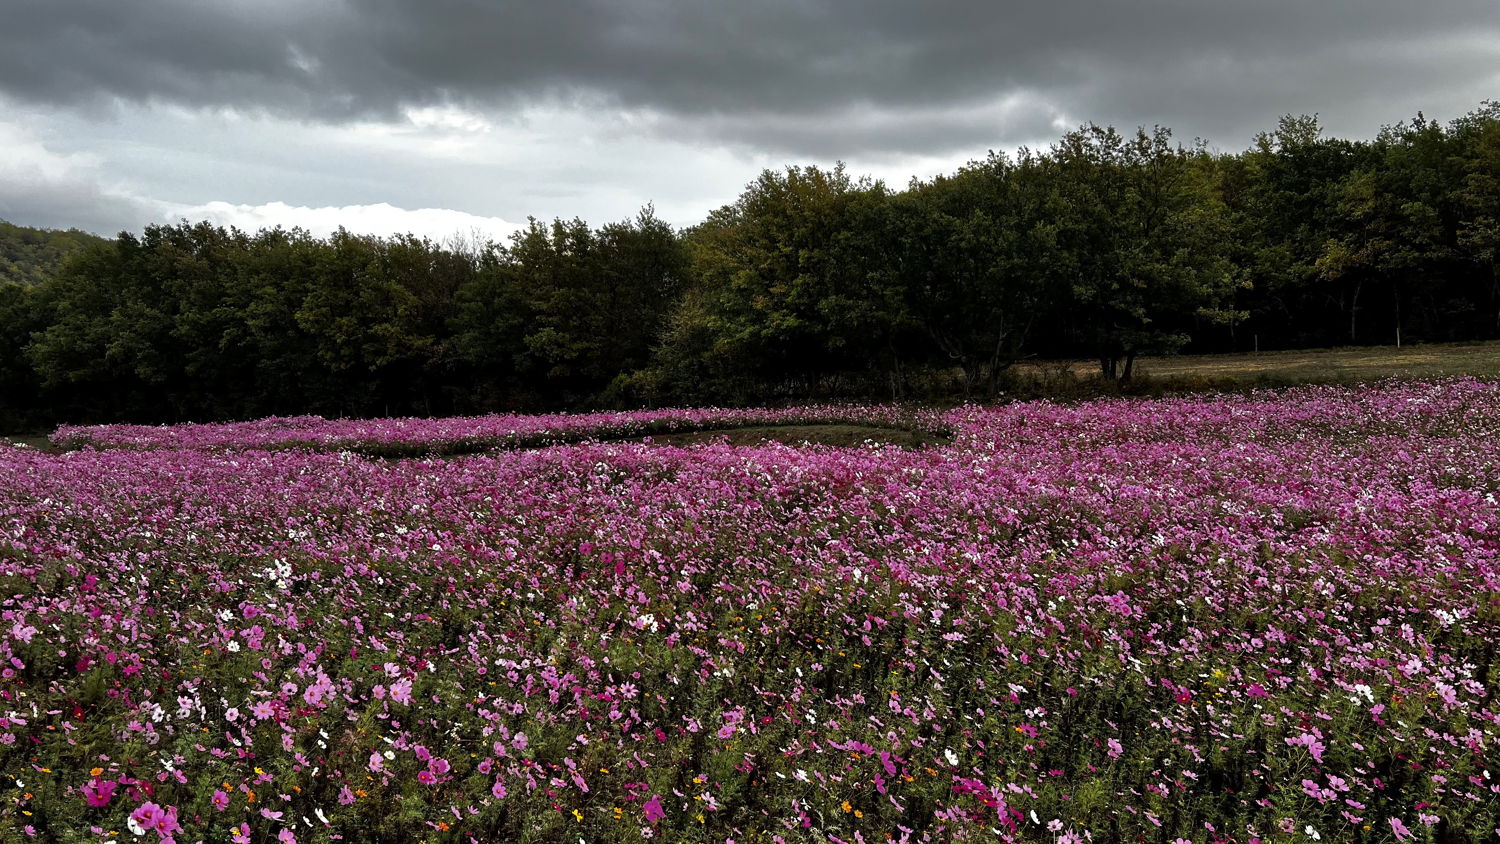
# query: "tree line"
811 284
29 256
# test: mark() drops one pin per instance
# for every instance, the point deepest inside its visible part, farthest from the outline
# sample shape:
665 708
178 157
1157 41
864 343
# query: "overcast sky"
444 116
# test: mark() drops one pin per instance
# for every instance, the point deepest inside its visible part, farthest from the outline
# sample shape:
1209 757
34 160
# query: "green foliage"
1144 241
29 256
794 286
976 257
811 284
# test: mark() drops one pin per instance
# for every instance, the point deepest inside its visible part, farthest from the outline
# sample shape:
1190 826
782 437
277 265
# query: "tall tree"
1142 241
976 261
794 282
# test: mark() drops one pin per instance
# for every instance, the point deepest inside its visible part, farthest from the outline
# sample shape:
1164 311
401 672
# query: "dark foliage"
812 284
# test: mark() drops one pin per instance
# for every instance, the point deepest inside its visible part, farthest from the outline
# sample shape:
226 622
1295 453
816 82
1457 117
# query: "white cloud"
438 224
39 186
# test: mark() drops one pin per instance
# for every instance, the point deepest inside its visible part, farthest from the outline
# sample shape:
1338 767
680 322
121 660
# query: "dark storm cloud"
779 75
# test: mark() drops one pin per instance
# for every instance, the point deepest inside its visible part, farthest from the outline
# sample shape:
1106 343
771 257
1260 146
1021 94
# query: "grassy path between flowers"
838 435
832 434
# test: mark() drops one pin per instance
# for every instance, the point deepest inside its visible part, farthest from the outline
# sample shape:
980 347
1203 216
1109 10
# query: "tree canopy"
812 283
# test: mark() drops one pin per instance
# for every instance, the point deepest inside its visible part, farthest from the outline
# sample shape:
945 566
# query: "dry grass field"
1272 369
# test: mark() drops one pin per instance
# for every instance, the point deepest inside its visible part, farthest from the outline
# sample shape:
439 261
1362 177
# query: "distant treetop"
29 255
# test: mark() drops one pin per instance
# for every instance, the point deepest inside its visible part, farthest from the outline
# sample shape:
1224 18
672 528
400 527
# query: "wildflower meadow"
1269 617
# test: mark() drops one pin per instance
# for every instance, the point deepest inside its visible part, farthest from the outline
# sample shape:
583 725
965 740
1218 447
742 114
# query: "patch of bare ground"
836 435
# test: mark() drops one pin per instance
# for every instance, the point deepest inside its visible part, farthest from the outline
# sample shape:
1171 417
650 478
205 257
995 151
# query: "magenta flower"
401 691
653 810
220 800
99 792
148 815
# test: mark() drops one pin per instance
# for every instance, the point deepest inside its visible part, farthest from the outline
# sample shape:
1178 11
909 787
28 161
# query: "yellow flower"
846 806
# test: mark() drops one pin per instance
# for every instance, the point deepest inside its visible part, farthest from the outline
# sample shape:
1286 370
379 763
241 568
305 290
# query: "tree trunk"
1354 311
1129 366
1398 317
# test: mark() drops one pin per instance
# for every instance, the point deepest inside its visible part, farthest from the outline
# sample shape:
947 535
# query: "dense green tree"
811 284
1478 137
30 256
19 317
794 282
1287 195
564 313
976 262
1141 240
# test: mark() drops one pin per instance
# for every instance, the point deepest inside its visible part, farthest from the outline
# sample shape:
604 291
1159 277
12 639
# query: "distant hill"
29 255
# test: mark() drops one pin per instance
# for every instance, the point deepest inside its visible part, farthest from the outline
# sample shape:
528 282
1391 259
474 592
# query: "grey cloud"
777 72
69 202
871 130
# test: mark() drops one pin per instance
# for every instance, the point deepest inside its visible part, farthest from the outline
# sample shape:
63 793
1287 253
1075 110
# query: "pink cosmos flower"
147 815
99 792
653 809
401 691
220 800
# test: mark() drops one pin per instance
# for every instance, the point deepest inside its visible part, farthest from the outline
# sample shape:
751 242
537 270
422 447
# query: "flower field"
1267 618
466 435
